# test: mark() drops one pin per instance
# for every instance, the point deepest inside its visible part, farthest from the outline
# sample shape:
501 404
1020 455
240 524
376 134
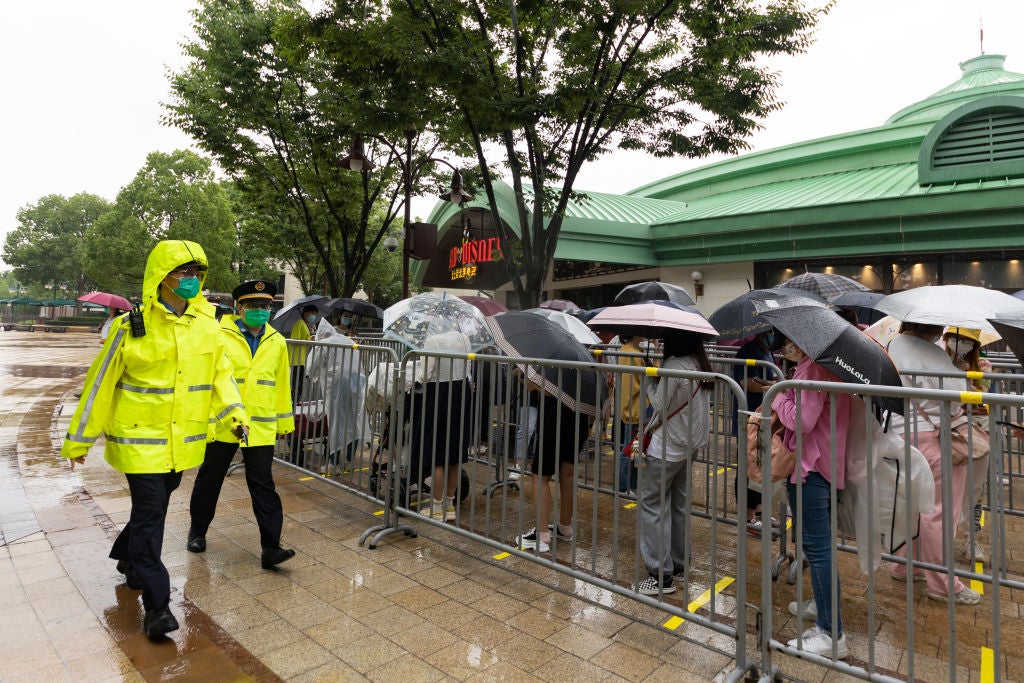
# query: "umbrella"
736 319
652 319
1012 331
416 319
884 331
958 305
108 300
652 291
1019 294
861 303
526 335
826 285
560 305
571 324
586 316
837 346
285 319
486 305
357 306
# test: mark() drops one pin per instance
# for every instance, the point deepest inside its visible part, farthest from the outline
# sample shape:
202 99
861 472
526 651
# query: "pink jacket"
816 424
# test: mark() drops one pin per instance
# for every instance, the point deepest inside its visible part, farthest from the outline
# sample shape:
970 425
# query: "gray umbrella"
836 345
652 291
826 285
736 319
1012 332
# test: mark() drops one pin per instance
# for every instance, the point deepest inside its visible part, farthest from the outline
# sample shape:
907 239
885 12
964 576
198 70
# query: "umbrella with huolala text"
836 345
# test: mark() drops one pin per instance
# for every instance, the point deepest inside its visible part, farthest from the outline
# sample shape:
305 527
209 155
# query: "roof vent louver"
980 141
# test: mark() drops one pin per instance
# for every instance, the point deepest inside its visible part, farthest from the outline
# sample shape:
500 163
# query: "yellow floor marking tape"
305 478
378 513
789 523
987 665
502 556
674 623
629 506
978 586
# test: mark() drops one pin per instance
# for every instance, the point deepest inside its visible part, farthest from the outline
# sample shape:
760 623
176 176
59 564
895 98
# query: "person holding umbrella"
913 350
818 470
664 488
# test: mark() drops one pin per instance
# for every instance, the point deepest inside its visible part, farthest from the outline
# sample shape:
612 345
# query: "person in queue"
158 383
914 349
663 497
817 470
303 330
963 345
259 361
630 411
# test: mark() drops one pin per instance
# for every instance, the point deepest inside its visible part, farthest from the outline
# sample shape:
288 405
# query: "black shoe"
131 579
275 556
196 542
159 621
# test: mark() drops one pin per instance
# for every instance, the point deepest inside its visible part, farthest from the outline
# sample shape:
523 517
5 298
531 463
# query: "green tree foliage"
47 246
544 87
260 98
174 196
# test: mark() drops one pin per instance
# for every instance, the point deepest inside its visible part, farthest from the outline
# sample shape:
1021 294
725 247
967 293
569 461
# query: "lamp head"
457 194
357 159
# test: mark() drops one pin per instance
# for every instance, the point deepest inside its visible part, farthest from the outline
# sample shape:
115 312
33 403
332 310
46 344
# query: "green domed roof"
982 75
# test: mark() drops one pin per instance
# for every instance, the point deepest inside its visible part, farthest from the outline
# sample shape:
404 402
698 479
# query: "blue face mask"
255 317
346 321
188 287
312 319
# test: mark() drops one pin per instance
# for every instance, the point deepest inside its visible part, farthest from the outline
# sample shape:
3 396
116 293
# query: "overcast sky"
83 82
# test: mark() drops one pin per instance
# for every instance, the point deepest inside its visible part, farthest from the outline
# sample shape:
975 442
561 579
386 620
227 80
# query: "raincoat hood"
165 257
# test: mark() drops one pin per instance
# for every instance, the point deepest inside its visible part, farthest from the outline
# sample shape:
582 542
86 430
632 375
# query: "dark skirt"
441 417
561 435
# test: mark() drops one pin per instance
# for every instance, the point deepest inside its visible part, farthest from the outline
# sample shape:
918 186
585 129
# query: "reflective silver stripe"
267 382
80 439
195 437
145 390
201 387
138 442
255 418
97 381
239 380
284 416
227 410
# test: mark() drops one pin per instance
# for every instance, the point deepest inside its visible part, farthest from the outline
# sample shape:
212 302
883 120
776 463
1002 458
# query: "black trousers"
266 504
142 539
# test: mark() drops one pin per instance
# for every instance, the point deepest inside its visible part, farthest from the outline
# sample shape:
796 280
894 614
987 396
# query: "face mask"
188 287
959 348
311 319
346 321
791 352
769 339
256 317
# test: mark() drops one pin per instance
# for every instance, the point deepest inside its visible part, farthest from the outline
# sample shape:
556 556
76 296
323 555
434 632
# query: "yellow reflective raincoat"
156 396
264 378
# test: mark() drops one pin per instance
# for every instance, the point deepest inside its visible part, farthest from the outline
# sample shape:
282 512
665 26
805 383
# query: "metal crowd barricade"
594 534
885 621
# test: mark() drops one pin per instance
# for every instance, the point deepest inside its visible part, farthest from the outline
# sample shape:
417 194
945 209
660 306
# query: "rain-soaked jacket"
264 381
155 397
338 375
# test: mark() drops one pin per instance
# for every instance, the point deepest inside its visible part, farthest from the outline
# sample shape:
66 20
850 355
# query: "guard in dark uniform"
259 357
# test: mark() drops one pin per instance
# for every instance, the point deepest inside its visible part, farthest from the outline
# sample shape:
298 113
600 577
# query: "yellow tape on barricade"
975 374
470 356
971 397
598 352
651 372
751 362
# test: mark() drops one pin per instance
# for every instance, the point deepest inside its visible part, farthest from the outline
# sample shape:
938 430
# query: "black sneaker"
159 621
553 528
131 579
649 586
275 556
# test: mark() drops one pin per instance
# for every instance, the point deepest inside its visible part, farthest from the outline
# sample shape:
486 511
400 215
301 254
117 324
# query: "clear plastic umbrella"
414 320
571 324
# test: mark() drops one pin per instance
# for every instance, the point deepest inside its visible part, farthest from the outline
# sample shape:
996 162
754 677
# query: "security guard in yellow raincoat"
161 379
259 359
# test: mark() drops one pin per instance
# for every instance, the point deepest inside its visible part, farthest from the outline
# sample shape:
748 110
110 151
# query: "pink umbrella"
108 300
652 319
486 306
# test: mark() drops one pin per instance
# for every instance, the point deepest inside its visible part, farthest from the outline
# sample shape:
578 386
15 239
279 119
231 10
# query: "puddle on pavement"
43 370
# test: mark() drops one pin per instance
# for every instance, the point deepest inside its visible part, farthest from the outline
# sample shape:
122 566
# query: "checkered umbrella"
826 285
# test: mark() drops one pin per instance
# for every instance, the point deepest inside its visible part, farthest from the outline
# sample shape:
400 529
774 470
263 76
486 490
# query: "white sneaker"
435 511
964 597
513 476
972 552
449 510
807 609
531 541
817 642
326 470
553 528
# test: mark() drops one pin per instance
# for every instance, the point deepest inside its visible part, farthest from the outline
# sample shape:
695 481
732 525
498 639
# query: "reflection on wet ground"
42 370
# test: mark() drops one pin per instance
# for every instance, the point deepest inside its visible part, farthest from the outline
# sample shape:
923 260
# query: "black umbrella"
861 303
357 306
652 291
837 346
285 319
827 285
1012 332
736 319
532 336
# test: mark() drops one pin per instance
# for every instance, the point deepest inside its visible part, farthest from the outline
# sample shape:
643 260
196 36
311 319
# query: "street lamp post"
358 161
